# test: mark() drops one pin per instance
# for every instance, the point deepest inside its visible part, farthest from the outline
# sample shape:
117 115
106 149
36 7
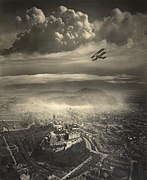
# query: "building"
60 140
72 135
25 177
136 171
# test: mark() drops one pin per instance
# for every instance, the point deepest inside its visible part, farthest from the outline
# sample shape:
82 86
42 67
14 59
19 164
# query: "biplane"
99 55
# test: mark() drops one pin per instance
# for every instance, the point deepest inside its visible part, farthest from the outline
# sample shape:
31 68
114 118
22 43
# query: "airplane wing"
93 56
101 50
101 55
94 59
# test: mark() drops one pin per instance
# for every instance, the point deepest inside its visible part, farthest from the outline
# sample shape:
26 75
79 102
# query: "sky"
46 46
96 10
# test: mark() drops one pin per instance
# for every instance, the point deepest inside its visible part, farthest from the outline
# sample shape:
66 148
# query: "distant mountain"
85 96
82 97
89 90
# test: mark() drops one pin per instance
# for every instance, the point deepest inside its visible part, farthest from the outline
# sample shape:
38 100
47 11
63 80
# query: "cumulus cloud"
122 27
33 16
66 29
63 30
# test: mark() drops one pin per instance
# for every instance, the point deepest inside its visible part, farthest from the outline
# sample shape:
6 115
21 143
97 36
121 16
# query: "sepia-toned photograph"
73 90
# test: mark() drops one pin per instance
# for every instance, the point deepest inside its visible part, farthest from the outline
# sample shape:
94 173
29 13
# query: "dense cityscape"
101 146
73 90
